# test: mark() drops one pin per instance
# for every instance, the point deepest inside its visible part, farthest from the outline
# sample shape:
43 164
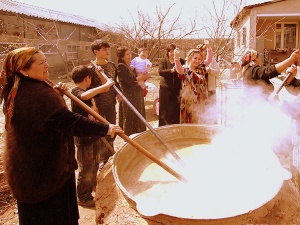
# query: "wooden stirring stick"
175 155
124 136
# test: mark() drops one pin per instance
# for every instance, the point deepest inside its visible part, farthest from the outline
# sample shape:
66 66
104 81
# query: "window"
48 49
6 47
72 52
238 39
286 35
244 36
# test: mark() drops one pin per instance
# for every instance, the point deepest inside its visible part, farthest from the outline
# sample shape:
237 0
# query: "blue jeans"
88 158
108 113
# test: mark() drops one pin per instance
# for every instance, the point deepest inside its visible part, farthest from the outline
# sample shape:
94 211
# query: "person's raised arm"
97 90
178 66
281 66
208 59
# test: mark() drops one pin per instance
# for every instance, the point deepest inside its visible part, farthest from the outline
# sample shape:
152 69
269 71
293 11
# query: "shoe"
90 203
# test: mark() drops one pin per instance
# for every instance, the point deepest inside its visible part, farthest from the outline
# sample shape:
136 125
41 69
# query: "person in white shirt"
142 65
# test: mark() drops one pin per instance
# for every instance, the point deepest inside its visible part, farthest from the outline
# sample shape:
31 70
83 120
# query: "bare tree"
154 32
217 25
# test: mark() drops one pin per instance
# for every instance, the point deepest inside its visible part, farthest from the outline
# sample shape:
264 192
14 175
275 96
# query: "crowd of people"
42 134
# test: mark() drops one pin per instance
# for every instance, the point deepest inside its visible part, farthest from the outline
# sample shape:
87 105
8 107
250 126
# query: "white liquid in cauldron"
219 185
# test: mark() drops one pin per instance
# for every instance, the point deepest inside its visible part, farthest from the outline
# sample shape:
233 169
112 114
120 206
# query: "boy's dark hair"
79 73
98 44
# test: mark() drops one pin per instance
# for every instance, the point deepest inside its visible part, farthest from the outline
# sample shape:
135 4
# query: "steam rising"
237 172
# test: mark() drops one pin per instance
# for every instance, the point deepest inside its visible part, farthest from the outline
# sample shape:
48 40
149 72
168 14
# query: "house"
272 28
64 38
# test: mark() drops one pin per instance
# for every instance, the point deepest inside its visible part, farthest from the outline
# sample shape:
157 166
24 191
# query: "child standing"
88 148
142 65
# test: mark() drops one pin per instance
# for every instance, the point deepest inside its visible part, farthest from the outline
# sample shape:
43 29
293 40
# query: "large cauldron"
228 183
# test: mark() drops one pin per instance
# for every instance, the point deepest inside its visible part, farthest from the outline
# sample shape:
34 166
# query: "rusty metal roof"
49 14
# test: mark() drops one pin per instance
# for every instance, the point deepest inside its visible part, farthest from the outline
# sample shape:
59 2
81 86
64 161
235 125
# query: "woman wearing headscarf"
255 75
39 154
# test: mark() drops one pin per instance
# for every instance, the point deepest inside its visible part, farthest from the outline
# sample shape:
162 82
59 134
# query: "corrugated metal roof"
35 11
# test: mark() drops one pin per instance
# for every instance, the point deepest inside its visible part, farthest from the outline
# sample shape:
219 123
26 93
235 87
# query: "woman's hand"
60 87
109 83
114 129
291 71
176 54
295 55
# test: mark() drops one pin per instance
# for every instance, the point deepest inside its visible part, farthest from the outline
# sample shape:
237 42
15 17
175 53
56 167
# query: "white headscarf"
246 60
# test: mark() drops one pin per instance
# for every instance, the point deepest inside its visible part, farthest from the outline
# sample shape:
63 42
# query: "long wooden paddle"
176 156
123 136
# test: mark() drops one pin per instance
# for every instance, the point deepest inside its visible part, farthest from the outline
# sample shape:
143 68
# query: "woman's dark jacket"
259 77
128 120
39 154
169 92
170 79
256 73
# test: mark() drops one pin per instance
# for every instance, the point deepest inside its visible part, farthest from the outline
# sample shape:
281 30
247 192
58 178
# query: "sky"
110 12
